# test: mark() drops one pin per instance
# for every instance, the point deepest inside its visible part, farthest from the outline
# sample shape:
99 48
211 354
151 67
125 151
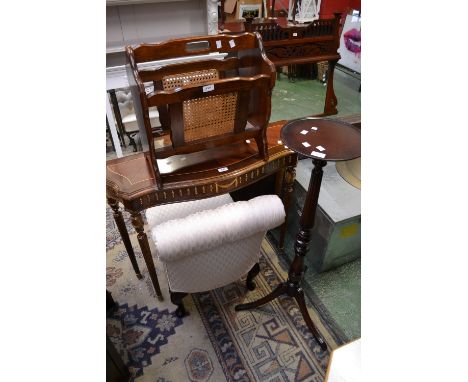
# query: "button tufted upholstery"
125 101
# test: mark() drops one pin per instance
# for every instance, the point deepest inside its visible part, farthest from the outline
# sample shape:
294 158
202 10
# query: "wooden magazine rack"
204 102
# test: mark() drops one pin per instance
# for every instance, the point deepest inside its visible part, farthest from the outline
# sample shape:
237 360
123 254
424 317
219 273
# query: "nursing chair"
209 91
129 120
209 243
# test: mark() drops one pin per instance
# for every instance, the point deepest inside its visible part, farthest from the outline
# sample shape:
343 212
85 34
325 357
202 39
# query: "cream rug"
213 343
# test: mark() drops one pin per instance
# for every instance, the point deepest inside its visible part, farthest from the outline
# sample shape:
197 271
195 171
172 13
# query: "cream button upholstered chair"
129 119
209 243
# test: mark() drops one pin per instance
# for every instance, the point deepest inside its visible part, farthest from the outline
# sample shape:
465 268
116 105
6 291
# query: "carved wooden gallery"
233 190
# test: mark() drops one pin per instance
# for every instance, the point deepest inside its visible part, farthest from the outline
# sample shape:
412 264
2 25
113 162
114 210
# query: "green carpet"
291 100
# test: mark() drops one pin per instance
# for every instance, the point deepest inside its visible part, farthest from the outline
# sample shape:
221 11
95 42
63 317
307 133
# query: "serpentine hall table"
194 176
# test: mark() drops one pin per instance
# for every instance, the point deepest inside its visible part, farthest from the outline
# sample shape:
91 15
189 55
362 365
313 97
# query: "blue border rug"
214 342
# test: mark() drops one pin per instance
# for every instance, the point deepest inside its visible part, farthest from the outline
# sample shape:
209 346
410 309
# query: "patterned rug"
212 343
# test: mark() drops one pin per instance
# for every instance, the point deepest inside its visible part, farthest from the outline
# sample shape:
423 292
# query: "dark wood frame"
129 182
246 70
299 44
344 149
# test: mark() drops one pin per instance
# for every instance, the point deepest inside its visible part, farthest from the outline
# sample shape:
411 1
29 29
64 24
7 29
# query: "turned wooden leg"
176 299
137 221
330 99
289 177
119 220
279 182
118 116
250 276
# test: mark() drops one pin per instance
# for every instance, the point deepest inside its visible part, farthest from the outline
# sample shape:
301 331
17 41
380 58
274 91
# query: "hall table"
322 140
193 176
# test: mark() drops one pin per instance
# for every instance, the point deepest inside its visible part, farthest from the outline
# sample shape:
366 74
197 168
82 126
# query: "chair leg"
250 276
176 299
132 142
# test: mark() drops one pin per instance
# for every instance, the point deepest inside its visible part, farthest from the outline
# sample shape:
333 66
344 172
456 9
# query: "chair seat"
130 120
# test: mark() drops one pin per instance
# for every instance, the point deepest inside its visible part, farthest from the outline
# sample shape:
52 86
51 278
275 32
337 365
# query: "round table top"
322 138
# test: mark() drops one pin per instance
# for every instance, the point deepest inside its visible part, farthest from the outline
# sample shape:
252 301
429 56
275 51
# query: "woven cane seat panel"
201 77
209 116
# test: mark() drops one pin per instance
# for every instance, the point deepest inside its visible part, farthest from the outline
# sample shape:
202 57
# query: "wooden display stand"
322 140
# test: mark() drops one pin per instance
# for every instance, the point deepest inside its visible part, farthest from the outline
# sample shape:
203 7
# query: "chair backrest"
222 95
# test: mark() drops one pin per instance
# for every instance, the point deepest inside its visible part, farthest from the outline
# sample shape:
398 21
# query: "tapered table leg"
289 177
137 221
330 99
279 182
119 220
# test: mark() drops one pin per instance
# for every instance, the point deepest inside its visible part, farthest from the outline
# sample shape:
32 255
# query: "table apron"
217 187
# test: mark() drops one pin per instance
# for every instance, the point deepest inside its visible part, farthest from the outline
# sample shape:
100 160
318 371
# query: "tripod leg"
299 296
279 290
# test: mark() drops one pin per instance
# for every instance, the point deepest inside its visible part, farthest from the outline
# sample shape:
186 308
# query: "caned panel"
201 77
209 116
204 117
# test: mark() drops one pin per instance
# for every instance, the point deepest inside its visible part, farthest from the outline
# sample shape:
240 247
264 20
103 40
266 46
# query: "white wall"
154 22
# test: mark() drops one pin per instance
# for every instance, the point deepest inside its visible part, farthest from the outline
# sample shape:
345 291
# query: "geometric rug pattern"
214 342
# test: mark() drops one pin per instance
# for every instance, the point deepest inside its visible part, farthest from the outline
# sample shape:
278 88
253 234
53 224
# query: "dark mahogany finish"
287 44
129 181
242 82
119 220
342 142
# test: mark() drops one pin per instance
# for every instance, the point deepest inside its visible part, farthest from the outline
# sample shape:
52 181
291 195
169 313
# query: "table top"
322 138
197 175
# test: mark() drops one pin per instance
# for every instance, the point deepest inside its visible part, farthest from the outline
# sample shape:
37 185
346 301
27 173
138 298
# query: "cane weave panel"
209 116
201 77
204 117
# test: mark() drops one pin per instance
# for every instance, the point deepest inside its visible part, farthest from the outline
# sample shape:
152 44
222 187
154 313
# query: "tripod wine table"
322 140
